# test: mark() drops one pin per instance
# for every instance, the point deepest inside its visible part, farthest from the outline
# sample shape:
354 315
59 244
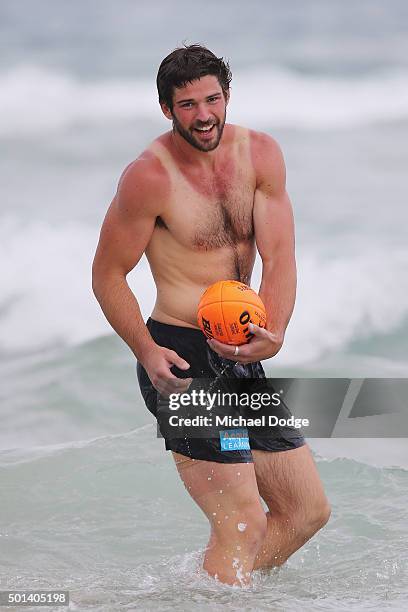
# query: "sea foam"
35 99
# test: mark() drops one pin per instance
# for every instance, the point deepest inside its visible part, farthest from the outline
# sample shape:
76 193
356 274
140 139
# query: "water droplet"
214 514
242 526
239 473
220 490
209 478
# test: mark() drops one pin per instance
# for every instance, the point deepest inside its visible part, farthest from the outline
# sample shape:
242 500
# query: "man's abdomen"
182 275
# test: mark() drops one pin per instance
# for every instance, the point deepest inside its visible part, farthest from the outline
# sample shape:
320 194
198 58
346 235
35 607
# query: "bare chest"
211 212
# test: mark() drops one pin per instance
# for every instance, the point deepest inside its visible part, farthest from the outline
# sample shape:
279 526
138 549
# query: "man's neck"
188 154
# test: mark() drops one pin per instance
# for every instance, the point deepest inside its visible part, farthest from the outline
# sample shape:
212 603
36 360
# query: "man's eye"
213 99
186 105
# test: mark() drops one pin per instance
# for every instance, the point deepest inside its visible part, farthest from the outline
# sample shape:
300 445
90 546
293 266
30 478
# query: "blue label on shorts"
234 439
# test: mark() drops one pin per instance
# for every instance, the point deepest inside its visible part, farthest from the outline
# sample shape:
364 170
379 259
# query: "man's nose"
203 113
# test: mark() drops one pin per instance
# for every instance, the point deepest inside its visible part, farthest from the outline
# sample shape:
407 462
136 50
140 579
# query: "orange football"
225 310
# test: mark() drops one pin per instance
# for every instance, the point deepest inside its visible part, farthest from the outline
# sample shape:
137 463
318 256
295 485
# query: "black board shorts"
206 365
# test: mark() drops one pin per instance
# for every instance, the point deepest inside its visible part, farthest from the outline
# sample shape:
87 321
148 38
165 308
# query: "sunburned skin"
205 232
196 202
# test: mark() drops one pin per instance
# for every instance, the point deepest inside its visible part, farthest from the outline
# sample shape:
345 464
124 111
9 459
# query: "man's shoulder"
267 158
263 143
145 179
266 154
147 167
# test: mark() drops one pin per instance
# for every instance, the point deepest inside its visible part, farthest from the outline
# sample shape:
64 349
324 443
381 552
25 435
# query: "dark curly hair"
186 64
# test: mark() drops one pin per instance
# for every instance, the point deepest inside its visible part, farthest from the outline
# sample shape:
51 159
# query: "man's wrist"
142 353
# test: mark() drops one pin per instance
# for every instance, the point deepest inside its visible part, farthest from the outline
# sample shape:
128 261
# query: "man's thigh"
220 489
288 481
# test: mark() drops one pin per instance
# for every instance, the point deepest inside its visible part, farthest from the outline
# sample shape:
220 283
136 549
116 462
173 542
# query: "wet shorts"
206 365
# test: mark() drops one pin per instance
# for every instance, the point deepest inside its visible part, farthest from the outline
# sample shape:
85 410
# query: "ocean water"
90 500
120 533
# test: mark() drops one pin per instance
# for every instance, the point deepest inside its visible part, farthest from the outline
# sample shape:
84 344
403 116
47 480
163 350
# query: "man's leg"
228 495
290 485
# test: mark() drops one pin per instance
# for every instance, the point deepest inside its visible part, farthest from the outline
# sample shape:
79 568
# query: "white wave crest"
341 300
34 99
46 293
281 98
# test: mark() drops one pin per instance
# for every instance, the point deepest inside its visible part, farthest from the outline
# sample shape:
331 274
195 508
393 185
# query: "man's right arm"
125 234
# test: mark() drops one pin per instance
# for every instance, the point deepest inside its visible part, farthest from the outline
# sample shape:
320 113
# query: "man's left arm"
274 234
275 240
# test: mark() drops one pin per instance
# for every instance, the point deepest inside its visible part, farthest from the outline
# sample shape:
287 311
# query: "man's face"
199 111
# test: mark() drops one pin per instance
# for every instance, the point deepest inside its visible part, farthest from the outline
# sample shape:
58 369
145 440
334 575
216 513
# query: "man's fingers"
177 360
180 385
175 381
172 384
228 350
225 350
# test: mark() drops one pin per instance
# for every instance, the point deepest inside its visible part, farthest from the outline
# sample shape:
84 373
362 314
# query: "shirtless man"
198 202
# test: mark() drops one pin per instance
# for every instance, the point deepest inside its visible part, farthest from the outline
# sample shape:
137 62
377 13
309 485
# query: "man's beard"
188 135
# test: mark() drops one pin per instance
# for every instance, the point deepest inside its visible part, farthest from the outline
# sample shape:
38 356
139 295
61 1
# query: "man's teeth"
206 129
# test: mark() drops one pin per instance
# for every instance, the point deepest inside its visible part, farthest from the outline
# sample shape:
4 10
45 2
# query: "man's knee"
325 513
246 528
320 515
314 518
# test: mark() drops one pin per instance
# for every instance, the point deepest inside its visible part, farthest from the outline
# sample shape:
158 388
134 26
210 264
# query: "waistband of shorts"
167 328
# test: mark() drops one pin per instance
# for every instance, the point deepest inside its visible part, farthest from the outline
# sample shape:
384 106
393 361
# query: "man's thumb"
255 329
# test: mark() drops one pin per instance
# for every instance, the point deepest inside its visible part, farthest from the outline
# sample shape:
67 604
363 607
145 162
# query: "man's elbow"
105 278
96 281
99 278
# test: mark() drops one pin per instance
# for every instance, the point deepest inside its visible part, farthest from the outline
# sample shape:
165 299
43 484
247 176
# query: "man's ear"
166 111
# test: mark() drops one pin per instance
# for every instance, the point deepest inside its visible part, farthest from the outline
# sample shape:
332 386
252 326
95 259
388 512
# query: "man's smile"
205 131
